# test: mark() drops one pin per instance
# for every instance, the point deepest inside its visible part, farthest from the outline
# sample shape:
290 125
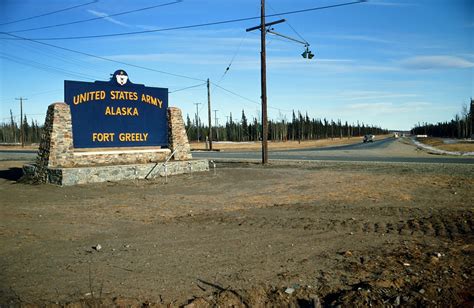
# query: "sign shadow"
11 174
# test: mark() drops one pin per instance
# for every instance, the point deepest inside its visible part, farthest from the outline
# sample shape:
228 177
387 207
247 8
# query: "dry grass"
281 145
18 147
455 147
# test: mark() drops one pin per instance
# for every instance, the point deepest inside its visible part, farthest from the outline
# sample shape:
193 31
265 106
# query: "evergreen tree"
25 129
244 124
13 128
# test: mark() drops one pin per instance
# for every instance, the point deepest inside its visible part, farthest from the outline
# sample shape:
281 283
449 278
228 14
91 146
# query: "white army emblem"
122 78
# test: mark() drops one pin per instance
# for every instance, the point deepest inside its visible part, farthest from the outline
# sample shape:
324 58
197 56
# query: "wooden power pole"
209 113
263 77
197 119
22 136
216 123
307 54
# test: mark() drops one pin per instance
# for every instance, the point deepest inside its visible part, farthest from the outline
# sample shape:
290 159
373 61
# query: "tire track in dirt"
435 223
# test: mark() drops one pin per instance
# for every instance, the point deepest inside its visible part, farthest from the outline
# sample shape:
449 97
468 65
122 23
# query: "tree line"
300 128
12 132
459 127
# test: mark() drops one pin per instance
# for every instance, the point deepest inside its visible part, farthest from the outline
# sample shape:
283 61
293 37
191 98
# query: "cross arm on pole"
266 25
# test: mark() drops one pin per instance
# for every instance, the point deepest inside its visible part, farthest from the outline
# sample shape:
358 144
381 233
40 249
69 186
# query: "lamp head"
307 54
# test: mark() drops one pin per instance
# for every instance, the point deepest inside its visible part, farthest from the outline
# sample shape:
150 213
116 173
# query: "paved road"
17 155
376 145
388 150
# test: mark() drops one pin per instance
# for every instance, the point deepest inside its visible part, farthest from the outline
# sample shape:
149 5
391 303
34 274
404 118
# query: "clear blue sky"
385 62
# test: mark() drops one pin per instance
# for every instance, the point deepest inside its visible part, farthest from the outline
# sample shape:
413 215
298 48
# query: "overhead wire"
227 69
102 58
49 13
97 18
243 97
235 94
5 100
287 22
43 92
186 88
183 27
192 26
55 69
17 116
52 54
44 67
232 61
233 57
174 28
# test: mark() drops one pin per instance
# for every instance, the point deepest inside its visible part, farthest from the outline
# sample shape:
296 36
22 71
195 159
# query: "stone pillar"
178 139
56 147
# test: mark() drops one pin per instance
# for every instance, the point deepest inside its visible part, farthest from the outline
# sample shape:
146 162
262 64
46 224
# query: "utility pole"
216 124
307 54
21 120
197 119
263 74
209 113
263 77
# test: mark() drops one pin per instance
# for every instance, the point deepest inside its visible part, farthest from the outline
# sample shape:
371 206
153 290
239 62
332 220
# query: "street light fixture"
307 54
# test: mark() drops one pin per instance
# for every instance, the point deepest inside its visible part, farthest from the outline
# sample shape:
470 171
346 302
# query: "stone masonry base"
58 162
82 175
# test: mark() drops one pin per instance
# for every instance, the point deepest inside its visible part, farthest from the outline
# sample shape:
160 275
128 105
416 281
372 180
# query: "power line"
22 135
97 18
215 117
246 98
53 69
102 58
50 54
238 95
53 54
233 57
190 87
192 26
289 25
6 100
50 13
44 67
140 32
197 119
14 116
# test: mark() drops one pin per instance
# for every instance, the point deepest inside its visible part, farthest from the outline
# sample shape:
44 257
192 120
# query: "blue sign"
117 113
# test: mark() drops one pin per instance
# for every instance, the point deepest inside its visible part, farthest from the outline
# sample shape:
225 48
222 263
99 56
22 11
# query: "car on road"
369 138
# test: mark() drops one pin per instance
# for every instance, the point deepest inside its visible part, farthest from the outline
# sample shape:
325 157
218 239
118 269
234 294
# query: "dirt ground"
307 234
